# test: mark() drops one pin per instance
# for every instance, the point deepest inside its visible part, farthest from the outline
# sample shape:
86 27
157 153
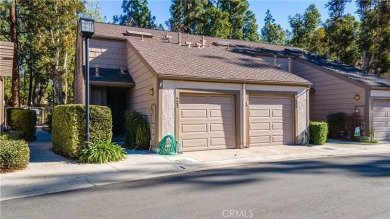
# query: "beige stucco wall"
168 99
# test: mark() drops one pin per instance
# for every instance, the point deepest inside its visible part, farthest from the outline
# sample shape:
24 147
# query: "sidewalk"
48 172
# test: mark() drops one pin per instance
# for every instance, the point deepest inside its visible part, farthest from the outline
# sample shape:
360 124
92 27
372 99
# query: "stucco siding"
331 95
107 53
140 98
169 92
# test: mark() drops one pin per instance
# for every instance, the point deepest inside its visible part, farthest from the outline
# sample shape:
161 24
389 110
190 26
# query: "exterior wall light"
87 29
151 91
357 97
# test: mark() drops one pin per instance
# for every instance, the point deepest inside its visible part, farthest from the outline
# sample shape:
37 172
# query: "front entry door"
116 100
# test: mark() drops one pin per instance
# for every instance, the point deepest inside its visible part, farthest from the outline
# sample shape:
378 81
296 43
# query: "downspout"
243 118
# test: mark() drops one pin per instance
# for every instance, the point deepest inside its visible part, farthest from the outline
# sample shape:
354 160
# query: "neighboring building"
340 88
219 96
6 60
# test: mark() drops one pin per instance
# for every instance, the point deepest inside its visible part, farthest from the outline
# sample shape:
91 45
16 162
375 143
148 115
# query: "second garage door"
206 121
381 116
270 120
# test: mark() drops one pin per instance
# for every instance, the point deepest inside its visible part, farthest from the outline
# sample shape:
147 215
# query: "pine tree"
272 32
236 10
304 26
342 33
136 13
186 15
250 27
375 35
214 23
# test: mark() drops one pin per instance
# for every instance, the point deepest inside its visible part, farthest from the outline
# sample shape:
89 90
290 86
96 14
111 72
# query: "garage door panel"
194 128
222 127
270 120
193 99
259 113
259 101
222 142
381 119
207 121
221 113
193 113
200 142
260 139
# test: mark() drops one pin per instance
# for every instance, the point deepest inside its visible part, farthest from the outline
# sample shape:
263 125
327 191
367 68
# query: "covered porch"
112 87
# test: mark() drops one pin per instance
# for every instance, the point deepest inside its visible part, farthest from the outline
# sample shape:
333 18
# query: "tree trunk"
15 64
36 95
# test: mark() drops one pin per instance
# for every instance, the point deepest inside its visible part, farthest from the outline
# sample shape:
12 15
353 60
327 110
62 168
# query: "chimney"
275 59
203 42
97 71
179 38
142 37
289 65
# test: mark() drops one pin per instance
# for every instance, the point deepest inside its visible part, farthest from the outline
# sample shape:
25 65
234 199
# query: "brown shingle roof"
210 63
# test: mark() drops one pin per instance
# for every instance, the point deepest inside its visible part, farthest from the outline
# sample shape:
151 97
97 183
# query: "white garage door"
270 120
381 116
206 121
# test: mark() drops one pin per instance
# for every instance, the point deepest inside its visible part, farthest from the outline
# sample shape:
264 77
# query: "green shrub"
336 122
14 155
137 134
352 121
11 135
102 152
318 132
49 122
24 121
68 133
9 115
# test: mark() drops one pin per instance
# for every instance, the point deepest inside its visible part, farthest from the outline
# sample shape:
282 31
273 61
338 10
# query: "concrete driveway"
48 172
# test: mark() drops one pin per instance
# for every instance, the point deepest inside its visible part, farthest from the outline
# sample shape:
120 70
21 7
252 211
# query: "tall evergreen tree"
186 15
214 23
136 13
304 26
272 32
236 10
342 33
250 29
375 35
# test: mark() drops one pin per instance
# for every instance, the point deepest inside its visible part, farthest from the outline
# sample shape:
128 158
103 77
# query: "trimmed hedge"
14 155
11 135
68 131
137 134
318 132
23 121
336 123
49 121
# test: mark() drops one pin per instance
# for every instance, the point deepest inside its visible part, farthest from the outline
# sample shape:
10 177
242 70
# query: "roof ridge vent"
167 37
139 34
189 44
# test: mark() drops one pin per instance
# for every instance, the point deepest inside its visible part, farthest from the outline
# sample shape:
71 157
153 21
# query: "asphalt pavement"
338 187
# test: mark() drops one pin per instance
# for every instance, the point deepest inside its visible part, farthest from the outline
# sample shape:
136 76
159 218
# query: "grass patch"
369 141
102 152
